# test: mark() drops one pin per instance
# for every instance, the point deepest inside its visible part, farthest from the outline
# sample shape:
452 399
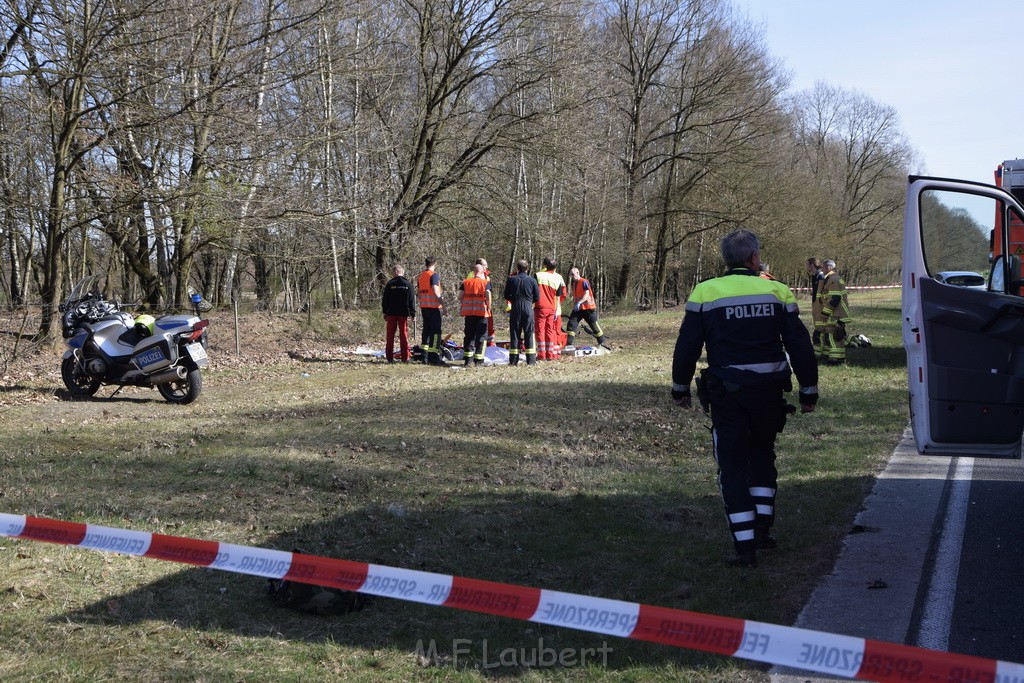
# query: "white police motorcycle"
108 346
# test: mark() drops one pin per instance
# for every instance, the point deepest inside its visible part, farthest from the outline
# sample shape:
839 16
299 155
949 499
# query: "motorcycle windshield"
85 286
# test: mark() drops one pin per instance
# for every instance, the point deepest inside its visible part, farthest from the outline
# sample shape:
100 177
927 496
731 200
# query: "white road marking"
937 614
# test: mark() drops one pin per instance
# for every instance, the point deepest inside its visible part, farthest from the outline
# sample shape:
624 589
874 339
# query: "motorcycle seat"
130 337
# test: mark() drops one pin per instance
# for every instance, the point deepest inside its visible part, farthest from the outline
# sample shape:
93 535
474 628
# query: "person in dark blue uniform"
522 292
748 325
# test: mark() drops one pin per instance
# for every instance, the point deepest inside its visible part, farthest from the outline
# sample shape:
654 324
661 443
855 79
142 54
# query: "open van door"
965 347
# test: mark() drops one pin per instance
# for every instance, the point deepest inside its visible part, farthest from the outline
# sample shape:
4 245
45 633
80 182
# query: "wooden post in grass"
234 305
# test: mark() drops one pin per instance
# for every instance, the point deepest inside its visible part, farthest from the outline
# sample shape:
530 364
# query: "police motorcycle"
109 346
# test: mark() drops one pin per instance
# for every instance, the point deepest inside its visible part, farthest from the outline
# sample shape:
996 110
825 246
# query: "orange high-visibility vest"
579 292
426 291
474 297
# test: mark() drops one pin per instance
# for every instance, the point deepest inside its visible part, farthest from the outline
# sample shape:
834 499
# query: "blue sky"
951 68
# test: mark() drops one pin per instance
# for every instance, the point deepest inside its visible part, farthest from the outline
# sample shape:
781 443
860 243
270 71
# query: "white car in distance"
962 278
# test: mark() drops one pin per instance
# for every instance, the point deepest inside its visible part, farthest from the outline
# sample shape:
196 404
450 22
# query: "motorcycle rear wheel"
183 391
79 383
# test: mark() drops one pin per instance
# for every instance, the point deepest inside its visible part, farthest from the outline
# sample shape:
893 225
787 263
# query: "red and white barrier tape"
807 289
783 645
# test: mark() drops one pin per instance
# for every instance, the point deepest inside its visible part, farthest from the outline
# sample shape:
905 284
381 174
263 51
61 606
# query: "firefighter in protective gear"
475 300
817 282
584 307
548 311
521 293
752 330
835 311
428 287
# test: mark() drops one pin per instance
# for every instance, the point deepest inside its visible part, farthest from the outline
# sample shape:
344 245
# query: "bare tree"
468 69
299 148
60 51
856 154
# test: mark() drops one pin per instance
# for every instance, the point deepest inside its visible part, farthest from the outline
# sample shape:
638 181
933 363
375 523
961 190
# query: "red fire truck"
1010 177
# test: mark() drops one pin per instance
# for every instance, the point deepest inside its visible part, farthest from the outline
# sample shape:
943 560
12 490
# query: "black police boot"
745 555
763 540
744 560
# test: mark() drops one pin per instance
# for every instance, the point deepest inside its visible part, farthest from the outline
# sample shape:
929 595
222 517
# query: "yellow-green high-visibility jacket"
748 325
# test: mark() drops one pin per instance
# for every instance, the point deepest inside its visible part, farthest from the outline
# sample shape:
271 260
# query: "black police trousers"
745 423
521 332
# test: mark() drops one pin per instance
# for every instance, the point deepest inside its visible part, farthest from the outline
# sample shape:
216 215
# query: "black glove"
808 399
682 397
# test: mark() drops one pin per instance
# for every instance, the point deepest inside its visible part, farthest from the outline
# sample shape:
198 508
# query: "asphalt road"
987 615
935 559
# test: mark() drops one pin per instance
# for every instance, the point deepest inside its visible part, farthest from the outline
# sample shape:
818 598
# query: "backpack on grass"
311 599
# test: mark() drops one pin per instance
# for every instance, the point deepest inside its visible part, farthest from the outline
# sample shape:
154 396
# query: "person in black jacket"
399 304
522 292
754 338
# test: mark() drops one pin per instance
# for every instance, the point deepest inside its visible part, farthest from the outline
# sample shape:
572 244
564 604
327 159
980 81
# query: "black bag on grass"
311 599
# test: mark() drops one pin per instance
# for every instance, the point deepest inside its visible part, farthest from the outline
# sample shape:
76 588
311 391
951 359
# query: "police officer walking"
748 325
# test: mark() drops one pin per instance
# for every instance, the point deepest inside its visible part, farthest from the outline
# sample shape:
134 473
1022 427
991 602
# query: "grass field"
579 476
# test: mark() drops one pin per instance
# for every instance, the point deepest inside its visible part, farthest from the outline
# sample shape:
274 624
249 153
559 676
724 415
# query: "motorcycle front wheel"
183 391
79 383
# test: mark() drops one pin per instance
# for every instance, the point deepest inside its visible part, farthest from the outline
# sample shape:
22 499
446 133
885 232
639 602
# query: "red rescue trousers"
399 324
549 333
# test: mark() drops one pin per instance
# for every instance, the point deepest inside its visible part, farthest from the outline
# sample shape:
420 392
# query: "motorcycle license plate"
196 352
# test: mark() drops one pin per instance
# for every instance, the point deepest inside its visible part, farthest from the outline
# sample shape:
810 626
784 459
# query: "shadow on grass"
15 388
549 484
877 357
15 336
662 549
98 397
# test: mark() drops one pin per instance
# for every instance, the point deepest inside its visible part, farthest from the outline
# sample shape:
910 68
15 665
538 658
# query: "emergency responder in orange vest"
584 307
752 330
475 300
836 314
521 293
490 320
549 310
428 286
